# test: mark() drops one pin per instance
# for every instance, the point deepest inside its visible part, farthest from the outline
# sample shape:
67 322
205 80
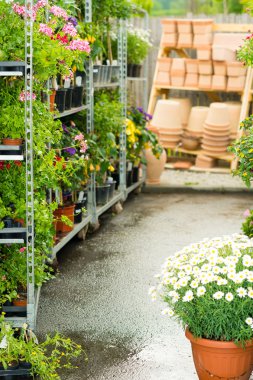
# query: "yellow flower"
97 168
74 68
245 174
111 168
92 168
251 151
242 155
91 39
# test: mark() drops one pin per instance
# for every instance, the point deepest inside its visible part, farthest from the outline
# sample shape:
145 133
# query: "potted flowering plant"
208 289
138 46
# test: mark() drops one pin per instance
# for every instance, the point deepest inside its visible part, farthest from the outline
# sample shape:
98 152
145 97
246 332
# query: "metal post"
146 68
29 162
122 60
88 10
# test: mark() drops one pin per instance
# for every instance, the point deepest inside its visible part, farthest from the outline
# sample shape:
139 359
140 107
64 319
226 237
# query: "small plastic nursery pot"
133 70
112 185
77 96
60 99
102 194
136 174
115 74
68 100
67 211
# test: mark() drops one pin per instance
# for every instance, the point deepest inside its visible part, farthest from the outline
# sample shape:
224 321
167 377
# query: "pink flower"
59 12
80 45
69 29
84 146
79 137
40 4
26 96
46 30
246 213
22 249
20 10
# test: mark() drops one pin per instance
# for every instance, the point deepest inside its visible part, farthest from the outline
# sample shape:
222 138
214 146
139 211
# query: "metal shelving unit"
72 111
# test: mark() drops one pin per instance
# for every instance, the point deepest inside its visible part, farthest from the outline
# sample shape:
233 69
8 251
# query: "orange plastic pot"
8 141
216 360
64 211
52 100
20 302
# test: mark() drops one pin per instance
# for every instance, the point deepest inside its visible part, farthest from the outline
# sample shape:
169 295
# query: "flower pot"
208 130
204 54
169 40
8 141
191 65
220 68
116 178
184 26
178 67
68 99
78 215
67 211
20 302
234 109
236 83
136 174
136 71
112 185
218 115
178 81
60 98
167 114
205 81
77 96
217 360
115 74
202 26
236 69
202 40
219 82
190 142
191 80
129 178
52 100
205 67
185 109
169 26
155 166
196 119
162 78
204 162
222 53
102 194
185 40
24 364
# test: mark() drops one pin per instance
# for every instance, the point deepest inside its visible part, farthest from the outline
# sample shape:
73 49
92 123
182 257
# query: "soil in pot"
8 141
77 96
21 301
68 100
60 99
102 194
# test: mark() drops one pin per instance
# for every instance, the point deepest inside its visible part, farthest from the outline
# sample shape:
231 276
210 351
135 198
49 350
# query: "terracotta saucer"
217 128
211 143
216 138
214 149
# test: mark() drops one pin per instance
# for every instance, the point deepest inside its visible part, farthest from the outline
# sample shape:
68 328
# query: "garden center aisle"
101 297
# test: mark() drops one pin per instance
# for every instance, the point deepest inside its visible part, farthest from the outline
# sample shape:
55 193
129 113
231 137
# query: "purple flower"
65 129
140 109
73 21
148 116
71 151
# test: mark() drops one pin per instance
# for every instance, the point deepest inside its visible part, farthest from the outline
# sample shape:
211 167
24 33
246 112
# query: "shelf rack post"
122 59
29 162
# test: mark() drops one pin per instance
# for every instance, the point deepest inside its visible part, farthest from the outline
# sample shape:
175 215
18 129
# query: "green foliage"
247 226
103 10
208 288
144 4
138 45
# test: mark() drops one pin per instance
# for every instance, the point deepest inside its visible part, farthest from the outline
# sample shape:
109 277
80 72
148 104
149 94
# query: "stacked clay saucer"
216 135
197 118
167 120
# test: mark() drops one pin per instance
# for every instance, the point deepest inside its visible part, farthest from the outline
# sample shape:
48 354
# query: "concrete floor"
101 300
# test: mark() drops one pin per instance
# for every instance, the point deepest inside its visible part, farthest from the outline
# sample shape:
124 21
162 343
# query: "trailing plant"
208 288
247 226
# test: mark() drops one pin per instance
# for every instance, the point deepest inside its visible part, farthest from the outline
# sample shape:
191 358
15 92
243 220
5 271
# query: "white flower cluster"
142 34
225 262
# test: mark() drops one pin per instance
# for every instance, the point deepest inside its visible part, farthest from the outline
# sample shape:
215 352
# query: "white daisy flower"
241 292
218 295
168 312
222 281
194 284
229 297
246 260
188 296
250 292
201 291
249 321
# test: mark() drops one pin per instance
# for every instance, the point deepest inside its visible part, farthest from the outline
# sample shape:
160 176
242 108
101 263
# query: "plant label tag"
80 197
78 81
129 166
4 343
67 83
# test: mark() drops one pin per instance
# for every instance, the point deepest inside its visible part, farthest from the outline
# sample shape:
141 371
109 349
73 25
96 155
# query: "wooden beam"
233 28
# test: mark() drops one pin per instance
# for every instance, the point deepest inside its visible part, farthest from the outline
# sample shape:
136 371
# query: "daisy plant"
208 287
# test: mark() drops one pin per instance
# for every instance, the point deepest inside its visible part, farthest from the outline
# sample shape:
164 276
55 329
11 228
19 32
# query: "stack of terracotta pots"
185 36
185 109
205 69
234 109
167 120
203 38
169 37
219 79
204 162
192 77
163 71
216 136
178 72
197 118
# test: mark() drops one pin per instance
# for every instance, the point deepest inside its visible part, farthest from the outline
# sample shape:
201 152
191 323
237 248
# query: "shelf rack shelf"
106 85
72 111
164 87
101 209
135 186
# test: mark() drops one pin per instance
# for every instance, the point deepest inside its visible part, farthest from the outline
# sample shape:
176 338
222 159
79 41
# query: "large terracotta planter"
154 166
166 114
215 360
185 109
218 115
197 117
234 109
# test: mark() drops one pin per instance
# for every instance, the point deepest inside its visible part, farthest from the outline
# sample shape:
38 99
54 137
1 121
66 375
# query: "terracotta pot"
212 149
169 40
215 133
163 78
202 40
215 139
220 68
178 80
219 82
182 165
236 83
163 72
215 143
191 65
169 145
225 45
185 109
205 67
222 53
191 80
196 119
236 69
8 141
234 109
203 161
168 138
169 25
154 166
185 40
205 81
20 302
218 114
52 100
190 143
215 360
66 211
166 114
178 66
184 26
204 54
164 64
202 26
170 131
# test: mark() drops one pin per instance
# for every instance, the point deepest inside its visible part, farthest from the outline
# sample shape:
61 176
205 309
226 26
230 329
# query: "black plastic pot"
60 99
68 100
78 215
102 194
129 69
136 71
26 365
112 189
115 74
135 174
12 66
116 178
97 74
129 178
77 96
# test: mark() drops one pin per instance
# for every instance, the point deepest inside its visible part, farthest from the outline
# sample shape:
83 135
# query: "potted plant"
138 46
208 289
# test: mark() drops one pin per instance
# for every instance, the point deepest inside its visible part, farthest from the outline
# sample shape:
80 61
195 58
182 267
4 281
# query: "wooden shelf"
184 88
219 156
